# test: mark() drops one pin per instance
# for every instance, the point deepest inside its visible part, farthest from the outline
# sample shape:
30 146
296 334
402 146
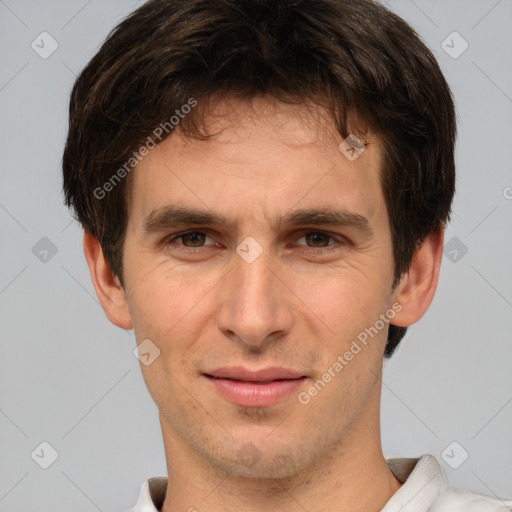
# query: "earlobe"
417 286
108 288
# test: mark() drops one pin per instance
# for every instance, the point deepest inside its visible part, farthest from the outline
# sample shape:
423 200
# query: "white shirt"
425 489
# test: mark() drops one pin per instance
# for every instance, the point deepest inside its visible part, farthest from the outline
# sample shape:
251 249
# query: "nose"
255 306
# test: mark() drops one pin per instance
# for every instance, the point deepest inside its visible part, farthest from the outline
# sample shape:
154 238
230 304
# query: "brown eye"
193 239
317 239
190 243
320 243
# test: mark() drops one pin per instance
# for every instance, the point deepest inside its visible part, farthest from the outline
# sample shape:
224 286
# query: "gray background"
68 377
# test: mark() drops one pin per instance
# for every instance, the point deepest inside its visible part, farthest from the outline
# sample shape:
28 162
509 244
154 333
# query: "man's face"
294 296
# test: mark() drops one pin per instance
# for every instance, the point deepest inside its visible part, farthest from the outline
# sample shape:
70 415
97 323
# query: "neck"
350 477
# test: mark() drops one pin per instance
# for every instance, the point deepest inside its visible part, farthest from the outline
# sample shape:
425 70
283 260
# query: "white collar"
423 480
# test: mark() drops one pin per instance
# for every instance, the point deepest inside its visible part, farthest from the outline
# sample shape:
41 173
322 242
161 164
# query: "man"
264 187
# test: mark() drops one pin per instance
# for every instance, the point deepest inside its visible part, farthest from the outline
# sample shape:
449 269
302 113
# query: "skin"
289 308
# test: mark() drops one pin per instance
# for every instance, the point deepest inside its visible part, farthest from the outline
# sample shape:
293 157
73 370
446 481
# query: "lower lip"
251 394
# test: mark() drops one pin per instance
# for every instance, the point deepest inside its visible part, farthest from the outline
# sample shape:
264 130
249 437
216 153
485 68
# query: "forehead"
263 158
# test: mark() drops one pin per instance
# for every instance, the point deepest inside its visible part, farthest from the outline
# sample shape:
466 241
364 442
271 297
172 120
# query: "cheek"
167 303
170 308
346 299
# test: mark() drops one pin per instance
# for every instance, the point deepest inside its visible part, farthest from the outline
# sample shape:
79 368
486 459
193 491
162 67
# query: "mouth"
262 388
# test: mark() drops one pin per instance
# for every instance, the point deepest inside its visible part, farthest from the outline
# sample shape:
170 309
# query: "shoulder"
453 499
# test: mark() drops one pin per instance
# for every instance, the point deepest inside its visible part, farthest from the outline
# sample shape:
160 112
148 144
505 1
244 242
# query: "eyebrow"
170 217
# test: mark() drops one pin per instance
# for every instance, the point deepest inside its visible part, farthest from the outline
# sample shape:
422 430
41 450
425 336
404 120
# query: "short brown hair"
354 57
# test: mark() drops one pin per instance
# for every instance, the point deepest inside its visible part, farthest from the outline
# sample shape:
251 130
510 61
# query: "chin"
260 462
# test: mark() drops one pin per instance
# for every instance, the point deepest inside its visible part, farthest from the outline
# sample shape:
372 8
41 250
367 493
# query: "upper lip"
266 374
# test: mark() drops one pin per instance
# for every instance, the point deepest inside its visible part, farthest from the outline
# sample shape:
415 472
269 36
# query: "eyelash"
315 250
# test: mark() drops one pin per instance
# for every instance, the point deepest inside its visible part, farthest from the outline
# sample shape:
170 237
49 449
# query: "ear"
417 286
108 287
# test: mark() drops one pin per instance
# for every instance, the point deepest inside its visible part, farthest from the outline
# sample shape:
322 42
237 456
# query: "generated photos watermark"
343 360
158 132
